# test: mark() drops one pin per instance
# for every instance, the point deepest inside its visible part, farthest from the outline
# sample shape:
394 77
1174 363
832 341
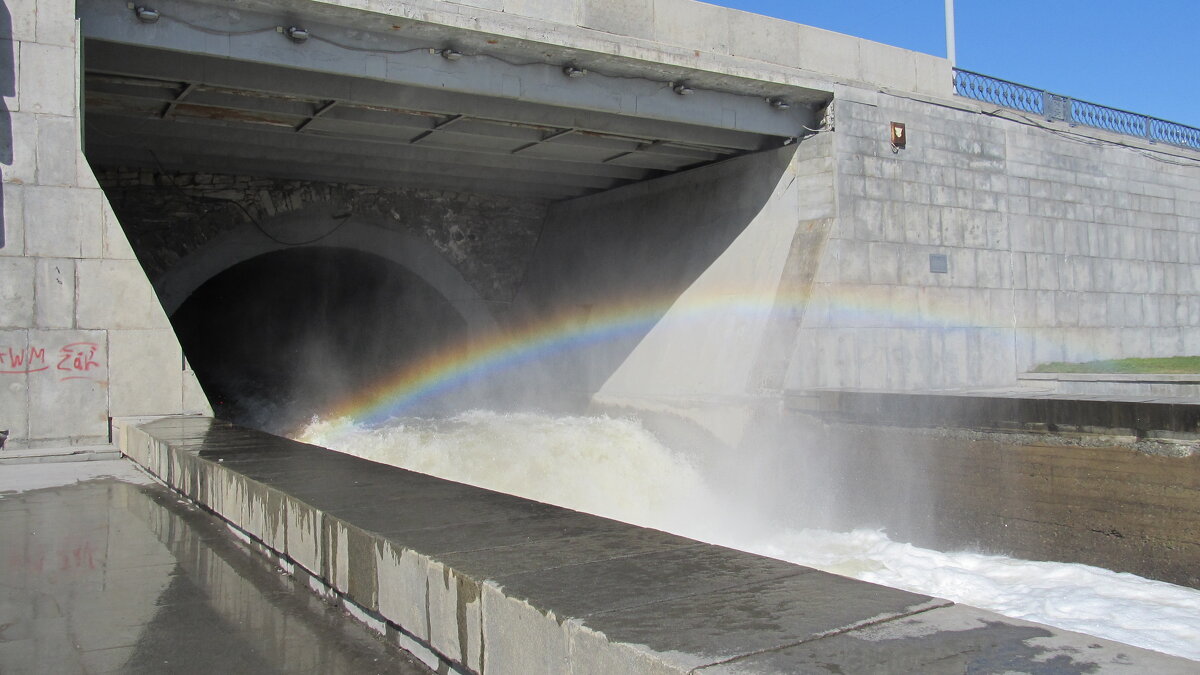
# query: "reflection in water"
106 575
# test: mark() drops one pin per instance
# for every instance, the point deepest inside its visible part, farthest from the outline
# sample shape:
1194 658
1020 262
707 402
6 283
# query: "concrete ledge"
71 454
478 581
1168 378
1127 385
1014 410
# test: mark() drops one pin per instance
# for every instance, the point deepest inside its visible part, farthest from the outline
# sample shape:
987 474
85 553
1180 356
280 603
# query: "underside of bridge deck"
206 88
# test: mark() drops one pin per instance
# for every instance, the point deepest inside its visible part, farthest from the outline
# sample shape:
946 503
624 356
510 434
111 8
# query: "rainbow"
841 306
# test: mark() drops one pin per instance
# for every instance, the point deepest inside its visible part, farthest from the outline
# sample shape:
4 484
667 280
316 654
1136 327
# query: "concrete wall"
694 35
620 260
680 277
82 337
1062 244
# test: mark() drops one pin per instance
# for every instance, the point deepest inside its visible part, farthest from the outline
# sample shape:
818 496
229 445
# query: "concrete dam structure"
446 142
724 225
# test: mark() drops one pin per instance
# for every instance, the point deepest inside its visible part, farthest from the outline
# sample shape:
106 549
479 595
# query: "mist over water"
607 467
616 468
280 335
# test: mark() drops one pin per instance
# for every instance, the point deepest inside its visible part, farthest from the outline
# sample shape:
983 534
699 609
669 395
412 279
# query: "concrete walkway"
103 570
492 583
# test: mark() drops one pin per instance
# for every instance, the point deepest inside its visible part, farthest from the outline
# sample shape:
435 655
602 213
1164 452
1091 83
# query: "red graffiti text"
20 361
77 359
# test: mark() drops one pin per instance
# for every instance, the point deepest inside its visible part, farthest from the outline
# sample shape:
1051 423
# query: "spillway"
617 469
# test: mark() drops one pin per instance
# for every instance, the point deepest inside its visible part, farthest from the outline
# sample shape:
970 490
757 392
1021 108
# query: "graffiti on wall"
75 361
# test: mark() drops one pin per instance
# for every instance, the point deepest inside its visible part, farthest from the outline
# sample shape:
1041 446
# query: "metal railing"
1059 108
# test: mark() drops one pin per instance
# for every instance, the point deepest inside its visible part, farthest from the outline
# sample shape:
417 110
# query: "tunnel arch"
297 332
358 233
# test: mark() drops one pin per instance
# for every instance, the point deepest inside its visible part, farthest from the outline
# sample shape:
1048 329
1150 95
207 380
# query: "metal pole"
950 33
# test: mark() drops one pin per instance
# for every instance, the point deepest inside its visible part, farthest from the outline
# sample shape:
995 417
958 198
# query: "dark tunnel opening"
286 335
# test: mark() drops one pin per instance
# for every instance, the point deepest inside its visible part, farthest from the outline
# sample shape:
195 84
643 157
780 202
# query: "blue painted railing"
1059 108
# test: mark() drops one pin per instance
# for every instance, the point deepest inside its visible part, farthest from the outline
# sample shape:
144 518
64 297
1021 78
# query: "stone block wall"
82 337
488 239
1058 244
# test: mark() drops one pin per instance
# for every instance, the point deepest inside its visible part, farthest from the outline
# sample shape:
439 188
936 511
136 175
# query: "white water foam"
615 468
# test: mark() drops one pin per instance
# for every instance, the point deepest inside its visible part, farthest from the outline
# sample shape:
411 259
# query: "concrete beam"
395 170
111 129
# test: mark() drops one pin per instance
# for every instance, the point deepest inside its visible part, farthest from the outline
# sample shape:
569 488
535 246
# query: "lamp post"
950 32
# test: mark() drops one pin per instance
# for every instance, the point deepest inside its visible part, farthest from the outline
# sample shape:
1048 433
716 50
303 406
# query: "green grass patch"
1173 364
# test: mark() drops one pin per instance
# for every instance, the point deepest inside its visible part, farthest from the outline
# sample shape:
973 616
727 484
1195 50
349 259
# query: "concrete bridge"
514 161
196 193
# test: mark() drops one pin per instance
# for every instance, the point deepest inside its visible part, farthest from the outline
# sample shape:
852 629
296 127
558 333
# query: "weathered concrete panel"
24 21
23 147
633 18
115 294
16 292
519 638
455 615
14 220
14 386
116 243
402 589
47 77
141 378
63 222
55 289
68 402
945 640
57 150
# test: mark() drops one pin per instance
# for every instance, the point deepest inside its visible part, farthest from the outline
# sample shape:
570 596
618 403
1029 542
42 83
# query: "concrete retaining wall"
1061 245
1058 244
477 581
629 255
82 337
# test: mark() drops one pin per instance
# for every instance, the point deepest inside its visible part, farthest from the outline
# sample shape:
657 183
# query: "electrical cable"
217 31
433 49
368 50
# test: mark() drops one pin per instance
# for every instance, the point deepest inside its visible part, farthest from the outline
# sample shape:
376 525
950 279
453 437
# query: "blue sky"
1140 56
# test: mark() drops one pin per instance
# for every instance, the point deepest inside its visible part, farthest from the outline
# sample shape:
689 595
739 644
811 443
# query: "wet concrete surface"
522 587
104 571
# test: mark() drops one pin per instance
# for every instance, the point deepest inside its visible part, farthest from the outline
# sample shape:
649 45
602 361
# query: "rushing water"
615 468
